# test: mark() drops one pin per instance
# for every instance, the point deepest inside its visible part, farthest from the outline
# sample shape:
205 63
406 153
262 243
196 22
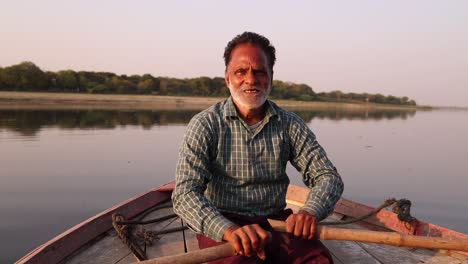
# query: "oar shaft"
392 238
387 238
199 256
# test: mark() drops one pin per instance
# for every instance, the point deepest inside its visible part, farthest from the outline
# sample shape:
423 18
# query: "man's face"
248 77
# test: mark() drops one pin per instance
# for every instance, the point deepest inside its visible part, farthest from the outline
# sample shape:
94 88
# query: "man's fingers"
262 234
306 228
299 226
263 237
245 242
313 228
237 244
254 240
249 240
290 223
261 254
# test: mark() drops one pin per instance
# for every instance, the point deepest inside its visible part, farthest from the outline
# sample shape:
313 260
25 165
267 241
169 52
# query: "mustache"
246 87
249 87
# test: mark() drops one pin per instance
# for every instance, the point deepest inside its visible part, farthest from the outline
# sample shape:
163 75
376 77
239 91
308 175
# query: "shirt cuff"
316 210
216 228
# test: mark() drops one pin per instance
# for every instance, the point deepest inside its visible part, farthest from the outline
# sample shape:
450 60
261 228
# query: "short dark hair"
253 39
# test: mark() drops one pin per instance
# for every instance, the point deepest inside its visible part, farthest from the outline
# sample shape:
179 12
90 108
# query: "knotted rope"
124 228
400 207
124 233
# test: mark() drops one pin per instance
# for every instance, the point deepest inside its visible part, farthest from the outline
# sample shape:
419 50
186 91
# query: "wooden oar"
323 233
387 238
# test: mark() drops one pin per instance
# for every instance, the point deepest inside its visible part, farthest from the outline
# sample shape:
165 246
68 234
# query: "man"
231 172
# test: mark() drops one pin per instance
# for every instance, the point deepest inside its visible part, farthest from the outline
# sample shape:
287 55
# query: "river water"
59 167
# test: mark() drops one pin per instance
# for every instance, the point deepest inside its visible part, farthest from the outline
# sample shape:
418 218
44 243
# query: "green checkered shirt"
225 167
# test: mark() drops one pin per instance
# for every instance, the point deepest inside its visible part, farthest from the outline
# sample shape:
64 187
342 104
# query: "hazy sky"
408 48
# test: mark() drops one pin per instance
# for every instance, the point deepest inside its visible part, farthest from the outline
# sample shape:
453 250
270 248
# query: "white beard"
246 101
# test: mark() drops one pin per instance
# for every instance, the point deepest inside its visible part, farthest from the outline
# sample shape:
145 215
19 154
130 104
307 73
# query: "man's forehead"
248 53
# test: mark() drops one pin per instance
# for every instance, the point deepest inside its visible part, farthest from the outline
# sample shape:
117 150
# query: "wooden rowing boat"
95 241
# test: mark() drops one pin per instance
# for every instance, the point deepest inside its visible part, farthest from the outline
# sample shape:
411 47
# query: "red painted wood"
168 187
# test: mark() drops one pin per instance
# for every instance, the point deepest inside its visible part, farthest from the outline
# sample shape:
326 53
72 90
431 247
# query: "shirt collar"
230 109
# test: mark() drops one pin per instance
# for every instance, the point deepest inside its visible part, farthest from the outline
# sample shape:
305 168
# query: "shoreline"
41 100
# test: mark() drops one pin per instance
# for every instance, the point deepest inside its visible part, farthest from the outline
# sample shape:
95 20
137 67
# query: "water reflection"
29 122
357 114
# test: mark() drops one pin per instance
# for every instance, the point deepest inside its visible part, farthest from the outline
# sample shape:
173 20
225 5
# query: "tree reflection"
30 122
357 114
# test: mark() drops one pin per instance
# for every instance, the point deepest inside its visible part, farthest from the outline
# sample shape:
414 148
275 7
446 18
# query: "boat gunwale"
51 251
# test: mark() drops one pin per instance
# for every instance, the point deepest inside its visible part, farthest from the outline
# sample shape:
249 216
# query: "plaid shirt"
225 167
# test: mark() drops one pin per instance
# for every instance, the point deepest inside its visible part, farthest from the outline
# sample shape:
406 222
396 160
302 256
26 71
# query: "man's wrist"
315 211
302 211
229 231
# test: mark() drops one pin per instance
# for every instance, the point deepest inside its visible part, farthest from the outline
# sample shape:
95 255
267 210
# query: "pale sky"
408 48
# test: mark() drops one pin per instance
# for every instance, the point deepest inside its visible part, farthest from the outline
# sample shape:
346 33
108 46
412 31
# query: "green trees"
67 81
147 85
26 76
2 85
287 90
338 96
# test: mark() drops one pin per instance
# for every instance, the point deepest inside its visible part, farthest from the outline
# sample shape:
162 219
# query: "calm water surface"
58 168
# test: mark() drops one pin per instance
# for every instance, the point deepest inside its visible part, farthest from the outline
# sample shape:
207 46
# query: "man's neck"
252 116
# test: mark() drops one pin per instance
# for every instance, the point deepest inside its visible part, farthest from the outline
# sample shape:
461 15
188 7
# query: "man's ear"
226 78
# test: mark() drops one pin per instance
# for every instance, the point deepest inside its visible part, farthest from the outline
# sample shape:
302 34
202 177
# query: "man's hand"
248 240
303 225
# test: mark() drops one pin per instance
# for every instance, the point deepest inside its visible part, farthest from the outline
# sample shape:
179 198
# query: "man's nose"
250 78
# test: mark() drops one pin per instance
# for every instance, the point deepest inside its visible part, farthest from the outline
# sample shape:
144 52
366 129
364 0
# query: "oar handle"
387 238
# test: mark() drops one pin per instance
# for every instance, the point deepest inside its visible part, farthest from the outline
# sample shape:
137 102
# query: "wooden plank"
108 249
172 243
349 252
335 259
390 254
130 259
343 252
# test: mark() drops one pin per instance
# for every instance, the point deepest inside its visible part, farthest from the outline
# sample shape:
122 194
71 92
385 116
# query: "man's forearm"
324 195
200 214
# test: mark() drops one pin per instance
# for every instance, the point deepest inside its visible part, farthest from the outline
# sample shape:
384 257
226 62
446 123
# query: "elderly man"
231 172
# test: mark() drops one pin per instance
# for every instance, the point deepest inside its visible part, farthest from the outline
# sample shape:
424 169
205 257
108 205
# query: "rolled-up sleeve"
318 172
192 177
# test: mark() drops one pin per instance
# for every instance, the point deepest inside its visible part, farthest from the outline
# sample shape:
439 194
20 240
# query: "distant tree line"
26 76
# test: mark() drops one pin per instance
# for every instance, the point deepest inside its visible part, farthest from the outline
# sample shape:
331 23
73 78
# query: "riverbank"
31 100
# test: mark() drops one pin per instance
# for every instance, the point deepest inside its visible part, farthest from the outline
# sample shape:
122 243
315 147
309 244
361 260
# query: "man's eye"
260 73
240 72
